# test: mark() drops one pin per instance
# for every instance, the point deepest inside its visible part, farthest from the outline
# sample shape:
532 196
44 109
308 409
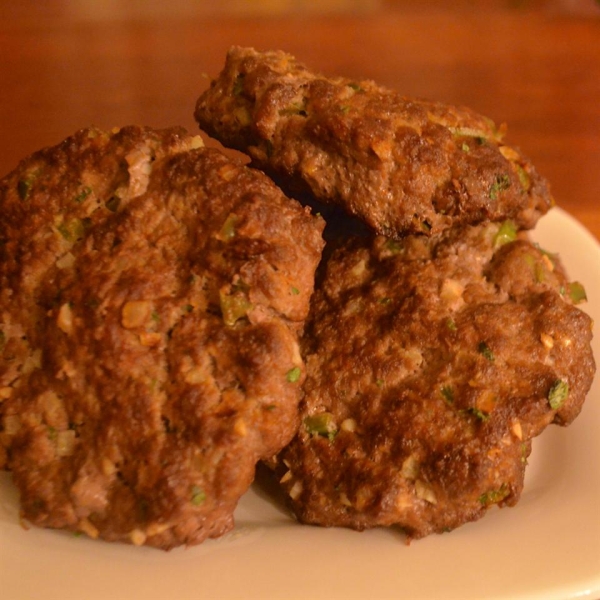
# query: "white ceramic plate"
547 547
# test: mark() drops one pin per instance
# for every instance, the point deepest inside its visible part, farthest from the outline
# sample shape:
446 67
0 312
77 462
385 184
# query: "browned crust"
432 362
147 342
400 164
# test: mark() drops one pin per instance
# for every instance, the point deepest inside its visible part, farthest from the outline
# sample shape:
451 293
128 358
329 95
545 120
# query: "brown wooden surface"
534 65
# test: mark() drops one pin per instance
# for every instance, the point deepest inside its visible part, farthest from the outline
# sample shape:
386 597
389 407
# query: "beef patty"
400 164
431 365
151 295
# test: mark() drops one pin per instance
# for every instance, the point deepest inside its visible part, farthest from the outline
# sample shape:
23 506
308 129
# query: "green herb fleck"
188 308
24 185
155 316
524 453
558 393
228 229
198 495
481 415
524 178
72 230
379 382
385 300
355 86
486 351
238 84
448 394
501 183
468 132
494 496
293 375
83 194
234 306
322 424
451 324
577 292
394 246
295 291
293 109
540 273
465 147
506 233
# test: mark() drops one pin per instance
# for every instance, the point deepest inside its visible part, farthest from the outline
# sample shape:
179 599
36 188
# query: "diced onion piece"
66 261
135 313
137 537
296 490
65 318
359 269
287 476
196 375
32 362
509 153
53 408
65 442
88 528
140 167
344 499
410 467
451 292
196 142
363 497
547 340
348 425
425 492
228 172
517 429
157 528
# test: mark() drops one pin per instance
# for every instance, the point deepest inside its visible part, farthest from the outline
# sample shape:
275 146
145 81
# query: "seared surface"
151 294
431 364
401 164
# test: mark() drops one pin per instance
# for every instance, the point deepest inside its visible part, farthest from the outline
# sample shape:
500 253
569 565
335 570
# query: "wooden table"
534 65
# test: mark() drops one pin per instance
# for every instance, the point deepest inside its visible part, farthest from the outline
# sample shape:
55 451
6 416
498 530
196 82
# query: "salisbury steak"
152 290
401 164
431 365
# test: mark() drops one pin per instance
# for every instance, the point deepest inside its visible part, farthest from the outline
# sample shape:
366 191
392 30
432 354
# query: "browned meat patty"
431 365
151 295
401 164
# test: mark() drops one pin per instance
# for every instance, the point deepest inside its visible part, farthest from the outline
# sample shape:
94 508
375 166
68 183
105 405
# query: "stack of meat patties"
440 343
168 317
